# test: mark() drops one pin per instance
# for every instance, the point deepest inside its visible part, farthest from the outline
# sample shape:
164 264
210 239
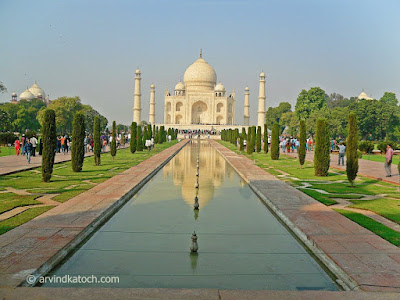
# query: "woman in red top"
17 145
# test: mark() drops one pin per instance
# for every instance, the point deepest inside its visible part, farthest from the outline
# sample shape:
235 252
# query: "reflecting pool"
241 244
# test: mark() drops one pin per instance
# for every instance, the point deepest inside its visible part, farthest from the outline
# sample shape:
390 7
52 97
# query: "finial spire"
201 53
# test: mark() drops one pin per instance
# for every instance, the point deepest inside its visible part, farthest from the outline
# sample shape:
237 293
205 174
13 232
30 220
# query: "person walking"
34 143
40 145
17 145
388 160
23 141
342 152
28 150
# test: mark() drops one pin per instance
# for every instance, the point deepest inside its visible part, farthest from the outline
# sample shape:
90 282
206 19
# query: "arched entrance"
178 119
199 113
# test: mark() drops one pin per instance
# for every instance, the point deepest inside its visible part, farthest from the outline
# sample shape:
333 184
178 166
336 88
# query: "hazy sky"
91 49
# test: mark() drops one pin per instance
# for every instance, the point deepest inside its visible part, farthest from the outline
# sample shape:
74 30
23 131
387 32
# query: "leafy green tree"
5 124
265 138
49 136
139 141
275 142
303 141
3 89
96 140
322 152
77 147
389 98
114 140
351 149
308 101
133 137
290 120
274 114
258 139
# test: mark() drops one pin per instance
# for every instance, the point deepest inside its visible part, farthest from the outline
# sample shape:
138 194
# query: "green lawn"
5 151
381 158
387 233
337 186
65 182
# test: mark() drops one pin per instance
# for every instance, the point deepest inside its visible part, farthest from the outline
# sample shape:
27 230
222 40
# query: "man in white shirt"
34 143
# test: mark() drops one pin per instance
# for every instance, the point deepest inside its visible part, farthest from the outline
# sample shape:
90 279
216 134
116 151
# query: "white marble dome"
200 74
220 87
26 95
364 95
180 86
37 91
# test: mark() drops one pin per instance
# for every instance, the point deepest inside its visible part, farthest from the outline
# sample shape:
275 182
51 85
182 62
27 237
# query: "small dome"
219 87
152 86
246 88
180 86
262 74
26 95
363 95
137 71
200 74
36 90
14 94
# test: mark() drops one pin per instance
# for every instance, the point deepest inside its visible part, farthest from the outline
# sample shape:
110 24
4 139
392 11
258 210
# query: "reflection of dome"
220 87
36 90
363 95
206 190
200 73
180 86
26 95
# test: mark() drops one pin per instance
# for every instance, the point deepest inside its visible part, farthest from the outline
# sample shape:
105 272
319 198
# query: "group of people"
27 146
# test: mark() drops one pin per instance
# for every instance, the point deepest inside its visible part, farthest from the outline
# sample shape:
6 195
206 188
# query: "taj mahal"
199 102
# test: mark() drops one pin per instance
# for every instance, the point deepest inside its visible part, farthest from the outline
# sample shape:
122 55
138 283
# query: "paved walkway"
354 254
13 163
372 169
35 247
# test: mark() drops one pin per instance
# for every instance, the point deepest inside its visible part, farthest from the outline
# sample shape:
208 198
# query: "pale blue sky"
92 48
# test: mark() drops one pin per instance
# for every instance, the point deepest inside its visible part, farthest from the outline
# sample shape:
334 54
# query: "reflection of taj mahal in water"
213 171
199 102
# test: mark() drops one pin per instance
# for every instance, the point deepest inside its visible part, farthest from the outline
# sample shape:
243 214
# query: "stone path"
13 163
354 254
371 169
34 247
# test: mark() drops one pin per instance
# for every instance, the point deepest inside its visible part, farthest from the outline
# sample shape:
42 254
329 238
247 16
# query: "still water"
241 244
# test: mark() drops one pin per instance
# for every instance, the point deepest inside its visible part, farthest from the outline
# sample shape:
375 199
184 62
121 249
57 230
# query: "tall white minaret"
261 102
246 106
152 112
137 106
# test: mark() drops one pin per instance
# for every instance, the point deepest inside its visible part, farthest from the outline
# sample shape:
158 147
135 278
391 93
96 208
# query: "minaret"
152 113
246 106
137 107
261 102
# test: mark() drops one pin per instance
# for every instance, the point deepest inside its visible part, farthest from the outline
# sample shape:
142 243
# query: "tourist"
28 150
34 143
67 143
342 151
62 140
284 145
388 161
58 145
23 141
40 146
17 146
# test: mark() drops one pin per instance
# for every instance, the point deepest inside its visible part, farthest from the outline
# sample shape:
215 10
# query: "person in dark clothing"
40 146
28 150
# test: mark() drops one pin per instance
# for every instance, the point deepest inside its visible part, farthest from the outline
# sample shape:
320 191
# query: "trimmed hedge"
49 138
96 140
275 142
322 148
303 141
77 146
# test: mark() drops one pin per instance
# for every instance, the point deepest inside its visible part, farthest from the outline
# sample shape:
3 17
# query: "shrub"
265 138
258 139
322 144
132 143
96 140
275 142
359 154
366 147
77 147
351 149
49 138
303 141
7 138
114 140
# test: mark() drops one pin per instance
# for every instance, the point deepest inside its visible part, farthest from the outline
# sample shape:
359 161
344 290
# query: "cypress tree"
322 143
265 138
145 137
253 137
96 140
114 140
258 139
49 138
303 141
275 142
150 133
133 137
156 136
78 138
139 141
351 149
242 138
176 134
